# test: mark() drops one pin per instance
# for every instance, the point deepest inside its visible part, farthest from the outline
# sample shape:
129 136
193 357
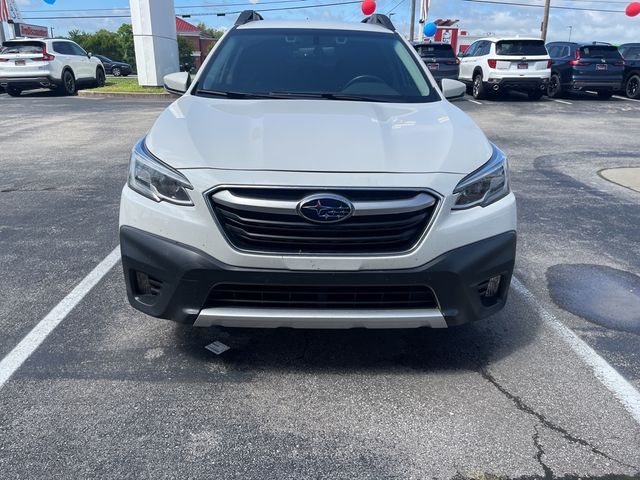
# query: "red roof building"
200 40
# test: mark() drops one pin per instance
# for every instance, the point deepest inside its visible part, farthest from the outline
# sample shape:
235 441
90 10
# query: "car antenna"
380 19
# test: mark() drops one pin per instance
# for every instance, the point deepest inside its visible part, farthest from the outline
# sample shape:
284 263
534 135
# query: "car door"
64 55
466 62
85 67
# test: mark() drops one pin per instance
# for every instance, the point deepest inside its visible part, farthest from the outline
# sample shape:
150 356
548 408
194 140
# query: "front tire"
13 91
535 95
632 87
68 83
100 78
479 92
116 72
554 90
605 94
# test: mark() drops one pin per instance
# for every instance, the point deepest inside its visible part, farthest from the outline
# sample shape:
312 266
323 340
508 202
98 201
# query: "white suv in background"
27 64
493 65
338 190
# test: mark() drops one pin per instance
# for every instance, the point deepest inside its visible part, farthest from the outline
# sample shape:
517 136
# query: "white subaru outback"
56 64
313 176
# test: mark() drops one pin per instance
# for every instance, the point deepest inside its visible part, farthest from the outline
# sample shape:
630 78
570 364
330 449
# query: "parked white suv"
314 176
59 64
493 65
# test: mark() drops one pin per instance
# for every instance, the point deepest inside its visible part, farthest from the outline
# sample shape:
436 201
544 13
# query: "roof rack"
380 19
248 16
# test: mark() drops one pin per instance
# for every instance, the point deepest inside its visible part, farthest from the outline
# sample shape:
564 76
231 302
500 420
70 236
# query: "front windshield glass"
308 63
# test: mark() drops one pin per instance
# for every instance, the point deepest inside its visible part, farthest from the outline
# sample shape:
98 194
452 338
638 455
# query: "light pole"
570 27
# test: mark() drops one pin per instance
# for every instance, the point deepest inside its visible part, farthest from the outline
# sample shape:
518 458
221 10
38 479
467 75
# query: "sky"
476 18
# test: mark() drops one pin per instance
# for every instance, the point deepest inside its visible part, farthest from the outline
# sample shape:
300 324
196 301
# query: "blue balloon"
430 29
50 2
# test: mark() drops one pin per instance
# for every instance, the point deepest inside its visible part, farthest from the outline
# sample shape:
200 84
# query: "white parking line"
608 376
561 101
627 99
473 101
43 329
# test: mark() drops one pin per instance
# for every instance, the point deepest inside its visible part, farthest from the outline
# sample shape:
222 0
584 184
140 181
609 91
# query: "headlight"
150 177
486 185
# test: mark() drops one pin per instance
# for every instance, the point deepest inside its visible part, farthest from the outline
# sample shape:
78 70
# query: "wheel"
115 71
68 83
13 91
479 91
100 78
554 90
535 95
632 87
605 94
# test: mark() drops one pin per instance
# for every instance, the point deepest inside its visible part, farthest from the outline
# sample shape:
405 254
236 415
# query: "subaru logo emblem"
325 208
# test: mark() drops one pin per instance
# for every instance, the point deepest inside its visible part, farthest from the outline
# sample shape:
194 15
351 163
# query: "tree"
185 49
214 32
128 52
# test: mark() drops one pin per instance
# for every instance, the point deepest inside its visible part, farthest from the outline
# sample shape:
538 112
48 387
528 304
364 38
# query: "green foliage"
214 32
115 45
185 49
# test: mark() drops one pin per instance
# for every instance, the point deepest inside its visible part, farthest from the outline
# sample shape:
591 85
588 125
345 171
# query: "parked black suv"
440 59
585 66
631 54
114 68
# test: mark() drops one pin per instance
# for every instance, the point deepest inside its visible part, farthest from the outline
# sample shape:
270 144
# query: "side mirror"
453 89
177 83
89 54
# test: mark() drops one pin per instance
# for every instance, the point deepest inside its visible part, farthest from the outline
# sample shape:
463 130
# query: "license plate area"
601 66
523 66
433 66
20 63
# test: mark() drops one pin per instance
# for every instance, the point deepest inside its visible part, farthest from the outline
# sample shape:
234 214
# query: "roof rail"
248 16
380 19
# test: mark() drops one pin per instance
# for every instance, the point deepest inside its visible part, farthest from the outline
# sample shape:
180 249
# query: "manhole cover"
602 295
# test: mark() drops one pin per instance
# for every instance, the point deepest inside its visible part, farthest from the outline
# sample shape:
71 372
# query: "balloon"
50 2
633 9
368 7
430 29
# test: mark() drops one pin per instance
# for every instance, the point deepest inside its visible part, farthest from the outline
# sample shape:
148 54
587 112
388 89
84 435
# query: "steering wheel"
362 78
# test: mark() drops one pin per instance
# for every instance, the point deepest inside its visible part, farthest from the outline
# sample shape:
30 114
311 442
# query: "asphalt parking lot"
548 388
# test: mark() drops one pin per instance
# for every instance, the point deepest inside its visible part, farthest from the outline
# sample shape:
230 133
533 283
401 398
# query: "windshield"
308 63
600 51
28 48
436 51
521 47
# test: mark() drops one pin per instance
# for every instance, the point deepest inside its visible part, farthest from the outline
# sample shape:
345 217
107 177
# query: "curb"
127 96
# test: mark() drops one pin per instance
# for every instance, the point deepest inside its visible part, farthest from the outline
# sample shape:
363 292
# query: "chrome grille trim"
236 223
282 207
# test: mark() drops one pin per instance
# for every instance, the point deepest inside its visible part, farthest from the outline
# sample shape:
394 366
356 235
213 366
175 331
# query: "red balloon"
368 7
633 9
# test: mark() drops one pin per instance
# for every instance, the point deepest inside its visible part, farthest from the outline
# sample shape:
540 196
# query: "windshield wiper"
328 96
220 93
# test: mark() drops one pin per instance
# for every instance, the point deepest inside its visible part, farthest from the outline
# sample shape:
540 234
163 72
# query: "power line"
557 7
199 14
208 5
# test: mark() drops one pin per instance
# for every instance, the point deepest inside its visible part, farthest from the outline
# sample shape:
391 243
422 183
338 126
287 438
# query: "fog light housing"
493 287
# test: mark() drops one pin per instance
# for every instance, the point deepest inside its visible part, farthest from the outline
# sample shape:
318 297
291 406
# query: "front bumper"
518 83
27 83
187 277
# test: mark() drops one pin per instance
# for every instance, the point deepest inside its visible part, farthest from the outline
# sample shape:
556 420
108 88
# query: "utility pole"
545 20
2 37
570 27
412 28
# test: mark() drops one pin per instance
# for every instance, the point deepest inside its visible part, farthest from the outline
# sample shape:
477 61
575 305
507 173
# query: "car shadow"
468 347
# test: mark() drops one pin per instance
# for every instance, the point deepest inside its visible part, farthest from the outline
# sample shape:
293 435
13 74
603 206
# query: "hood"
317 136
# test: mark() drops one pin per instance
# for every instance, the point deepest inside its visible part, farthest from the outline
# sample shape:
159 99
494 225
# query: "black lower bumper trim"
27 83
181 278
